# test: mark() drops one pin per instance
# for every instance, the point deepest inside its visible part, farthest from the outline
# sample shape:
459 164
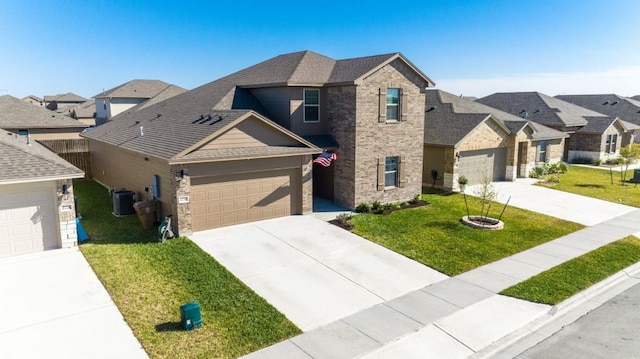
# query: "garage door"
27 222
475 164
232 199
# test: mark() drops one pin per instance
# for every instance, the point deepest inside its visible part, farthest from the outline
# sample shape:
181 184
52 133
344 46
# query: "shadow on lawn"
590 185
169 327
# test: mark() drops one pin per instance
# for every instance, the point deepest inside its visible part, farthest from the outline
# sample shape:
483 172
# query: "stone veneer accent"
67 218
307 184
352 113
182 211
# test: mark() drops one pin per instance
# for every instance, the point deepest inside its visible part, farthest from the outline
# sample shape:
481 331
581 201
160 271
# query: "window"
23 133
611 144
542 152
393 104
391 172
311 105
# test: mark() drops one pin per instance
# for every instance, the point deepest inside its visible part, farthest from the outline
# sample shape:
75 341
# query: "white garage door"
475 164
239 198
27 220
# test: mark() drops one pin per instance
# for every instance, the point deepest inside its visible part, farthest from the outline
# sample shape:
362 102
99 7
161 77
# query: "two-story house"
134 93
240 148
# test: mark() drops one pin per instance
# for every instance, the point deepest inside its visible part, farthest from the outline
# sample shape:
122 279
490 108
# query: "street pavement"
609 331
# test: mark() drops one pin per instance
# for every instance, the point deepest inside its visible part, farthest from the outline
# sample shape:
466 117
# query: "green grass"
434 236
596 183
567 279
149 281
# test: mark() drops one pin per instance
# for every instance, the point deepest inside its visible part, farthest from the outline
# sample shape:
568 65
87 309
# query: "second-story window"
393 104
311 105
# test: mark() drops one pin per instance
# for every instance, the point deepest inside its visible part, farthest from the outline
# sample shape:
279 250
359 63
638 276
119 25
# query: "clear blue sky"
471 47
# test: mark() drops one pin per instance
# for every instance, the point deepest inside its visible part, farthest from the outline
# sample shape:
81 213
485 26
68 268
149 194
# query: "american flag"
325 158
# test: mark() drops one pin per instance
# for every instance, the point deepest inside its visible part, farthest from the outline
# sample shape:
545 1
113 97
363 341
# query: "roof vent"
431 109
606 103
537 110
219 117
524 113
614 103
209 116
141 131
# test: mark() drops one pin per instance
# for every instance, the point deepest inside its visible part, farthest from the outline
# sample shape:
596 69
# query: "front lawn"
149 281
569 278
434 236
597 183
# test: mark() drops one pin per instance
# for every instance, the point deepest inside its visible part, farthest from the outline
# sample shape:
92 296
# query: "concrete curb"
557 311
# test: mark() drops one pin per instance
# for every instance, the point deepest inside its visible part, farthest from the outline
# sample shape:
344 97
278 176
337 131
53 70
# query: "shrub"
597 161
553 179
343 217
416 199
562 166
615 161
376 206
363 208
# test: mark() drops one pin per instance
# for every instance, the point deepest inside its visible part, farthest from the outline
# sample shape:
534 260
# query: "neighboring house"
626 109
34 100
240 148
36 123
587 142
466 138
636 97
63 101
85 112
37 210
135 93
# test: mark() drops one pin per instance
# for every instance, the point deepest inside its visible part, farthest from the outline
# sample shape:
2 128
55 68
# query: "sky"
470 48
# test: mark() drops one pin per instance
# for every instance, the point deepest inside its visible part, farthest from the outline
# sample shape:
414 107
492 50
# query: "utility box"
123 203
636 176
190 316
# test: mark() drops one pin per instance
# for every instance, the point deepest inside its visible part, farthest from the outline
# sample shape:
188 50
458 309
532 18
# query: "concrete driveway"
568 206
313 272
53 306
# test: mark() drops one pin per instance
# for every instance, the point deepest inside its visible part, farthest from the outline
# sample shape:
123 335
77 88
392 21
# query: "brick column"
66 215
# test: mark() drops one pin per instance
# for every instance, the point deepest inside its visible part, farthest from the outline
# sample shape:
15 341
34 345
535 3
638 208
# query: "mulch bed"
342 223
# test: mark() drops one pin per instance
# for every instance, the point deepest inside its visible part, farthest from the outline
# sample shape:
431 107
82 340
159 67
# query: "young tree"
630 155
487 194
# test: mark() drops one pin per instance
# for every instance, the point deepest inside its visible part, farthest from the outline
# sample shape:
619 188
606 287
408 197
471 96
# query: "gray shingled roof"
167 134
449 118
18 114
609 104
598 124
65 97
168 123
86 109
31 162
540 108
138 89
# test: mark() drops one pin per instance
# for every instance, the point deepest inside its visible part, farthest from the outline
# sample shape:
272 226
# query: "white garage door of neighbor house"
239 198
27 222
475 164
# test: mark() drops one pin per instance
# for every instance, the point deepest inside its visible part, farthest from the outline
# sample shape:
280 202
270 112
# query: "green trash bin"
190 316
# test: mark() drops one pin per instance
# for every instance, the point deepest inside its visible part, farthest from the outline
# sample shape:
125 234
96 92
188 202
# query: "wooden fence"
74 151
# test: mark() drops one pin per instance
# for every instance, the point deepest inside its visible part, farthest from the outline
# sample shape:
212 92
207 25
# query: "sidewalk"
464 316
